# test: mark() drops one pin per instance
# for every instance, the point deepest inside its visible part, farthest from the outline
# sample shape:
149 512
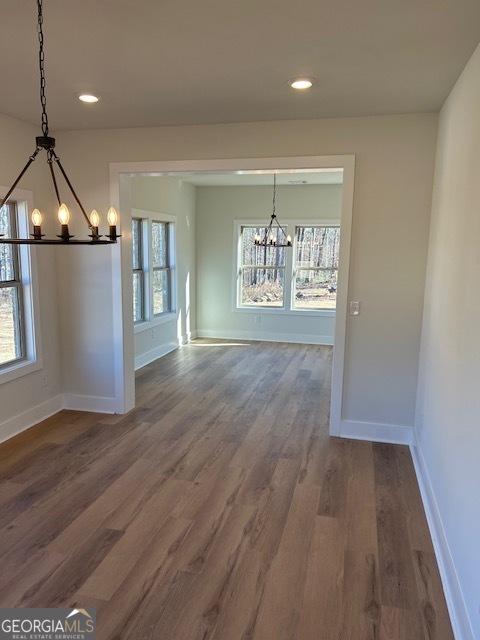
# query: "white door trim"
122 303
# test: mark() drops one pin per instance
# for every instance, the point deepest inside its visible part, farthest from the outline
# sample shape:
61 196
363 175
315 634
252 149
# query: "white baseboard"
153 354
28 418
158 352
265 336
96 404
457 609
375 432
77 402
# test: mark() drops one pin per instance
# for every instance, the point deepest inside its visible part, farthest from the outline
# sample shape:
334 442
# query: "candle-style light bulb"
37 221
94 218
94 221
64 218
112 216
63 214
36 218
289 241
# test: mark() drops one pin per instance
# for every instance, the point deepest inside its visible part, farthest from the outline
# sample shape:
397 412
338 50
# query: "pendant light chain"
272 237
41 65
274 194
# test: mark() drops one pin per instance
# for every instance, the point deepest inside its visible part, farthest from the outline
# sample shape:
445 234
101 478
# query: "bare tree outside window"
316 267
12 329
161 268
138 270
262 270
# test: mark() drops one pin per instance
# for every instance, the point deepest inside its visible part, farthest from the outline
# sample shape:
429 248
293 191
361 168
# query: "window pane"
159 244
263 287
138 297
136 243
10 333
318 247
161 281
316 289
261 256
7 252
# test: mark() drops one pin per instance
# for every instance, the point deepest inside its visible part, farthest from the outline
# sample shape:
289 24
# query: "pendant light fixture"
271 239
47 144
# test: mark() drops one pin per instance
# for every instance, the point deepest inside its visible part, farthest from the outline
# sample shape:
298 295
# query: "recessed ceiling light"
301 84
88 97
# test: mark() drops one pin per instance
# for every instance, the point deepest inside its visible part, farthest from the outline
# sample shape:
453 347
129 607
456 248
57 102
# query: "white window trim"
287 309
148 217
33 360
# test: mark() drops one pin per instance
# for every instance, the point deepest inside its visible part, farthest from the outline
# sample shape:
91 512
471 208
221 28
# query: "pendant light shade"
46 143
274 235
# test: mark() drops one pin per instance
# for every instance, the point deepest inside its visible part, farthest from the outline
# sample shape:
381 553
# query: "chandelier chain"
41 64
274 193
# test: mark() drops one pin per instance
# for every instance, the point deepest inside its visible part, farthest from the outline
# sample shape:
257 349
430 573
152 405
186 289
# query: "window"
298 280
261 272
153 267
316 267
12 328
161 269
138 270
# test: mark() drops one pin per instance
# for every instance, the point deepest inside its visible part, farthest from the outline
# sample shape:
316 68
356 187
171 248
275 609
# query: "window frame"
142 269
168 268
322 224
240 268
290 225
148 218
17 284
32 359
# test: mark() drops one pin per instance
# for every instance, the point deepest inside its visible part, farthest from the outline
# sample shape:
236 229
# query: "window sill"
154 322
19 369
281 311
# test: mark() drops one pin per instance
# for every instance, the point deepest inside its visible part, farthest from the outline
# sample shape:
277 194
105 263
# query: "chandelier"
47 144
269 238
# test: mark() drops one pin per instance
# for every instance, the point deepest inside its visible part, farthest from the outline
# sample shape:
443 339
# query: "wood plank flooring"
220 509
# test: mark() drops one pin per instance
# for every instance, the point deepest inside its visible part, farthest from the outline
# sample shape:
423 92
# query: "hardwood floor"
220 509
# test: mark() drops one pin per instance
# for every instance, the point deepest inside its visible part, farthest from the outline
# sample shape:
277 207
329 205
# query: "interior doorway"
213 282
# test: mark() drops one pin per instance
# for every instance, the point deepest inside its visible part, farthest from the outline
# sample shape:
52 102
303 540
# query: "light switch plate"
354 308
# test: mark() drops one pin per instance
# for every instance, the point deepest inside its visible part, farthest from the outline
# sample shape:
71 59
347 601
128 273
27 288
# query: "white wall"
174 197
17 141
217 210
394 169
448 412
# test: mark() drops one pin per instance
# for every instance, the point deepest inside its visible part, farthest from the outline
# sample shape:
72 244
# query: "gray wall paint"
217 210
448 396
174 197
393 184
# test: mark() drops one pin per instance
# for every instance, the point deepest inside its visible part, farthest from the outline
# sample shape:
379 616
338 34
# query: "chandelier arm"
281 228
70 186
54 180
20 176
268 230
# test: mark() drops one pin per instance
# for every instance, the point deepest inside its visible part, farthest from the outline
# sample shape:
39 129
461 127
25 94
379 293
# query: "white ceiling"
173 62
